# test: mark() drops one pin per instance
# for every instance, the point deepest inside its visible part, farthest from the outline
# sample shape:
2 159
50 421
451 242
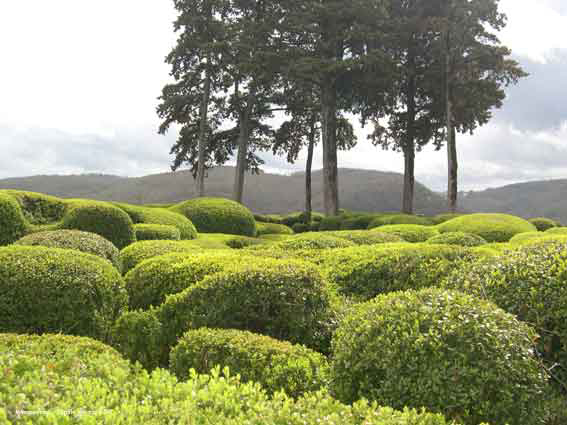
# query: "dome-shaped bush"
491 227
217 215
273 229
56 290
144 215
556 231
367 271
365 237
542 223
313 241
331 223
301 227
277 365
442 218
527 236
457 238
399 219
12 222
91 243
101 218
151 281
531 283
442 350
286 300
134 254
268 218
409 232
160 232
359 222
37 208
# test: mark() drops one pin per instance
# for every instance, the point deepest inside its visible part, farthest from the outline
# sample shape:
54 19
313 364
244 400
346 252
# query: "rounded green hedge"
218 215
91 243
360 222
151 232
491 227
151 281
556 231
101 218
277 365
331 223
399 219
313 241
442 218
457 238
287 300
134 254
268 218
442 350
301 227
12 221
527 236
273 229
531 283
145 215
542 223
56 290
409 232
364 237
37 208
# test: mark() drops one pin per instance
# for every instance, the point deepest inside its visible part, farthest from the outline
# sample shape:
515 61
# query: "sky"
79 82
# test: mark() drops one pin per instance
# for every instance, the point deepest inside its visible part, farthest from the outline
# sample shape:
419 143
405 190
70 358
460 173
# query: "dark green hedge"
12 221
277 365
101 218
273 229
90 243
160 232
445 351
491 227
218 215
542 223
56 290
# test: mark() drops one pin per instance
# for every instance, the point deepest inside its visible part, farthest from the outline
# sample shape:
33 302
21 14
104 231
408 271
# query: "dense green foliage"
358 222
134 254
39 209
268 218
556 231
457 238
101 218
273 229
442 218
365 237
91 243
399 219
312 241
331 223
56 290
217 215
530 283
443 350
542 223
409 232
491 227
150 232
12 221
277 365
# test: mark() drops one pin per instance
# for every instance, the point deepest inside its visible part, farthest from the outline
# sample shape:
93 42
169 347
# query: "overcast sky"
79 81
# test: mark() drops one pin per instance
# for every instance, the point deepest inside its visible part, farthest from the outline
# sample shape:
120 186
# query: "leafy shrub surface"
12 221
365 237
443 350
542 223
134 254
38 209
491 227
313 241
273 229
275 364
457 238
217 215
409 232
399 219
149 232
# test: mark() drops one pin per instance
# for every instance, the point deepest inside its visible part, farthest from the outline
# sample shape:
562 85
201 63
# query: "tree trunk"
409 143
203 113
308 167
409 179
329 127
453 169
451 144
243 141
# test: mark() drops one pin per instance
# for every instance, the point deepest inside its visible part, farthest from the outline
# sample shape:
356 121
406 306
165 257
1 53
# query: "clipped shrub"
101 218
218 215
151 281
301 227
527 236
134 254
46 290
90 243
491 227
399 219
314 226
273 229
37 208
268 218
145 215
277 365
556 231
287 300
360 222
364 237
542 223
457 238
275 238
331 223
531 283
409 232
240 242
300 217
442 218
150 232
442 350
12 221
367 271
313 241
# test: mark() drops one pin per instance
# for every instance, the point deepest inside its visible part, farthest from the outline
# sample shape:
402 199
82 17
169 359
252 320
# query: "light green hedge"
399 219
491 227
12 221
150 232
442 350
134 254
365 237
273 229
542 224
409 232
457 238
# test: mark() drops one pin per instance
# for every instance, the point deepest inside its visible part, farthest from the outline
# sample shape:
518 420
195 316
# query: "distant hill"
531 199
361 190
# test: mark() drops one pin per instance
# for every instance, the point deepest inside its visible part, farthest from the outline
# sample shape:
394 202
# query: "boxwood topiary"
277 365
312 241
39 209
273 229
134 254
491 227
359 222
12 222
149 232
101 218
91 243
56 290
527 236
301 227
442 218
530 282
442 350
409 232
217 215
556 231
457 238
542 223
331 223
364 237
399 219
